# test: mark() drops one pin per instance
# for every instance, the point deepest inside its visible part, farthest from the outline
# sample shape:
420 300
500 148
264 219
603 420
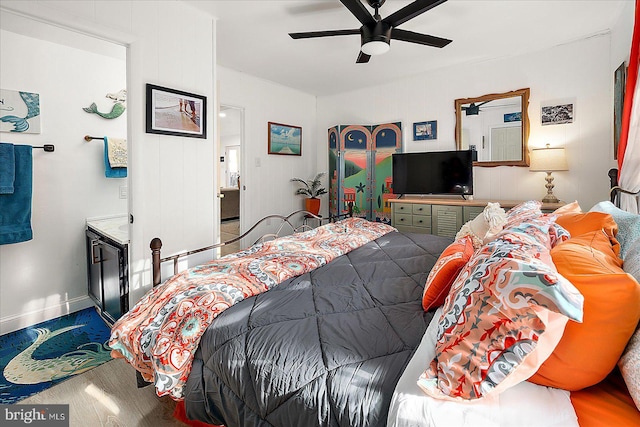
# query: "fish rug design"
39 356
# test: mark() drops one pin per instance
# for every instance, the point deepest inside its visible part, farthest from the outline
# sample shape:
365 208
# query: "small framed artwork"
513 117
619 79
19 111
285 139
175 112
557 114
425 130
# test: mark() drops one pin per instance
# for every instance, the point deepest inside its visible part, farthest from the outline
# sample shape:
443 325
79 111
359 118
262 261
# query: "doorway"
231 127
69 185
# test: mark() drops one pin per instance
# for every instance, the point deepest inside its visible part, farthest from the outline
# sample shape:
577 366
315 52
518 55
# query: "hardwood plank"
108 396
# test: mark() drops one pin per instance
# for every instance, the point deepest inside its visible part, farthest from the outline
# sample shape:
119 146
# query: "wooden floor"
229 230
108 396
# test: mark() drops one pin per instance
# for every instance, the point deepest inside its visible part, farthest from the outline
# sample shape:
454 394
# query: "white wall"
171 179
621 34
578 72
266 176
47 276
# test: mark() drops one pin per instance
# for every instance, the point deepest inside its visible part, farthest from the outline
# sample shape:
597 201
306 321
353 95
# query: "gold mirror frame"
524 94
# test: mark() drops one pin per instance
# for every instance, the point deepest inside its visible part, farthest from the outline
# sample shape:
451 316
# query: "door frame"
241 164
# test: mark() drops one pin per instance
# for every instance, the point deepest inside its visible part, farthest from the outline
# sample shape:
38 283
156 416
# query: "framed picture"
174 112
285 139
619 79
19 112
425 130
557 114
513 117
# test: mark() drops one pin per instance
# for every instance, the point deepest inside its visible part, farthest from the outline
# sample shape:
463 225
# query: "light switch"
124 191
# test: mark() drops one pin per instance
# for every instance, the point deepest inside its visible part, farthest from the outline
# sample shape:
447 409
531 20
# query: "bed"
338 331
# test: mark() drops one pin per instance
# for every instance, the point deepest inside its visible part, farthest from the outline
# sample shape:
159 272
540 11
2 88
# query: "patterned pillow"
523 212
504 315
444 272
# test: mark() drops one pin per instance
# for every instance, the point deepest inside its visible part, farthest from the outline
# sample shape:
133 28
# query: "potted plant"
311 188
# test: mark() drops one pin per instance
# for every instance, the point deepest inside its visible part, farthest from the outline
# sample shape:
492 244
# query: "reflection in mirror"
496 126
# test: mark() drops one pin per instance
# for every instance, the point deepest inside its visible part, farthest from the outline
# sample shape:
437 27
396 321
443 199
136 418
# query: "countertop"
115 227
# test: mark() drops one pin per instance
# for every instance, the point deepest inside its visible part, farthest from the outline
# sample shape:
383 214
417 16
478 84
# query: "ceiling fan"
376 33
473 109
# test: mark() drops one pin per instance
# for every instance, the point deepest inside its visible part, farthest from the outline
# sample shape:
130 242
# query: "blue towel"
7 168
15 209
110 172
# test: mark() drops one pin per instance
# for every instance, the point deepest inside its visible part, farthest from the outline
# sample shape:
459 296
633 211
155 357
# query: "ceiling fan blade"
411 37
312 34
363 58
359 11
411 11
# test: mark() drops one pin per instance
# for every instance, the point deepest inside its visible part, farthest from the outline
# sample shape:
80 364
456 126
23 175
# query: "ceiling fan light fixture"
375 47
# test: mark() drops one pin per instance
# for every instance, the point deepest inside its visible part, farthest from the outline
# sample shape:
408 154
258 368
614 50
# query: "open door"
231 125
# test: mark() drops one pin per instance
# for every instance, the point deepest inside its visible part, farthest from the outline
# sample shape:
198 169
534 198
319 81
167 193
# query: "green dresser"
443 217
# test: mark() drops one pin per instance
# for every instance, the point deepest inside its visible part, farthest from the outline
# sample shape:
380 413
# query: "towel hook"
89 138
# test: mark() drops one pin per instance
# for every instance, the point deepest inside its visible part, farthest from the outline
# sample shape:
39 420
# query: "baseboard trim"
23 320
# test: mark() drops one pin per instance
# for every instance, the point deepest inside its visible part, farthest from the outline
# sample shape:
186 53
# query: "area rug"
40 356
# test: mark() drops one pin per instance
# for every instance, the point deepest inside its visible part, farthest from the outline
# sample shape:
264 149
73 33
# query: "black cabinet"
108 277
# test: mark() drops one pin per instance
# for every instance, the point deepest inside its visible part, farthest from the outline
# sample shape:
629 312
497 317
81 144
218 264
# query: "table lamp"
548 160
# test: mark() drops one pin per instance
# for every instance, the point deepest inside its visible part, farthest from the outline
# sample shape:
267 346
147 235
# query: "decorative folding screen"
360 169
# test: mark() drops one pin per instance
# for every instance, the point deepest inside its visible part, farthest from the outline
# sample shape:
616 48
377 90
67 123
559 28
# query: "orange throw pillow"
445 271
588 351
580 223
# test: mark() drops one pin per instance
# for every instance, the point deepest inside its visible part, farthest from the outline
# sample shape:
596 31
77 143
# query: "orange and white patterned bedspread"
160 335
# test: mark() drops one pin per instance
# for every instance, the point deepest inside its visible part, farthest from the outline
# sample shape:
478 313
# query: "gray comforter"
322 349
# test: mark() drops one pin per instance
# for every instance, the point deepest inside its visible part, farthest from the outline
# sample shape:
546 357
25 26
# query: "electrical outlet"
124 192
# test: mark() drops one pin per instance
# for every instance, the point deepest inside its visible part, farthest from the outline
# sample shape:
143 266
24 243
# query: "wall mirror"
496 126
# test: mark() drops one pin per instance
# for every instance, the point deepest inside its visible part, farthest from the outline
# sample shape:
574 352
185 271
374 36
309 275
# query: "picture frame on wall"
513 117
425 130
557 114
20 112
175 112
284 139
620 80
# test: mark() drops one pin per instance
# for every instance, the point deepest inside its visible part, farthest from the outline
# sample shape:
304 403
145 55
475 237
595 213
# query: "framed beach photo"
175 112
425 130
285 139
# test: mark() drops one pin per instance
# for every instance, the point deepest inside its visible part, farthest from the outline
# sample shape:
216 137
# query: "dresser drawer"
421 221
403 208
421 209
402 219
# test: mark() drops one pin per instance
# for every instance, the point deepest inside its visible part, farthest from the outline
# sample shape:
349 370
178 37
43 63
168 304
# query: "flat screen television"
434 172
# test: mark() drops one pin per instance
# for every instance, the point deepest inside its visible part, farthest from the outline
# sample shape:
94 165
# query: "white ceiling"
252 37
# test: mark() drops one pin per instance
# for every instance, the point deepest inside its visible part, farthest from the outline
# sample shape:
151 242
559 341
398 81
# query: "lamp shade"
548 160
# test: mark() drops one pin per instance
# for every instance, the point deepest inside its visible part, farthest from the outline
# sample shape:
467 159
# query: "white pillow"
483 228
